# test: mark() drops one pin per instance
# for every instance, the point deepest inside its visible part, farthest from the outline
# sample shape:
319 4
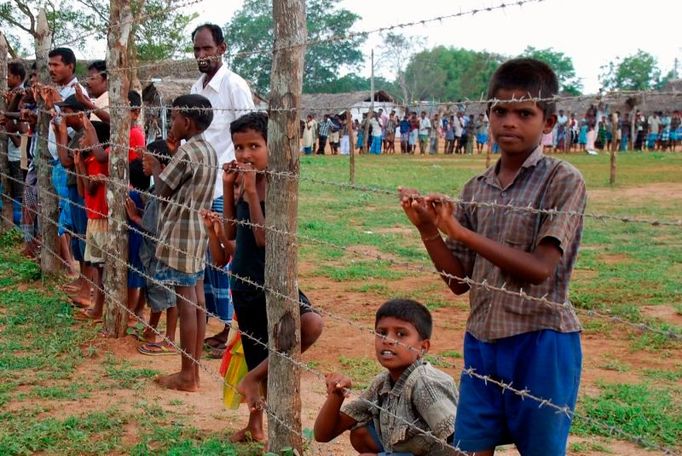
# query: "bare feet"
248 435
251 390
88 314
178 382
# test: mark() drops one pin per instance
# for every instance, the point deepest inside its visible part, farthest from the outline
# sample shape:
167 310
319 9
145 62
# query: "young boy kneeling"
415 398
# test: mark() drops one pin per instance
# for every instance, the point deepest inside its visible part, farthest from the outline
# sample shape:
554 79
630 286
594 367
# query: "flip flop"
154 349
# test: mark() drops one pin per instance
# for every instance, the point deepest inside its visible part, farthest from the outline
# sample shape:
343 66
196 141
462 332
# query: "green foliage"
161 35
450 73
562 66
251 29
638 71
361 370
355 83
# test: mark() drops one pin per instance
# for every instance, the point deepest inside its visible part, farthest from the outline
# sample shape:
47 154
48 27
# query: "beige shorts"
95 240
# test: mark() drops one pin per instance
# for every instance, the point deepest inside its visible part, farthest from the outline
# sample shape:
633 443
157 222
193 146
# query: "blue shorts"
377 441
172 277
547 364
79 223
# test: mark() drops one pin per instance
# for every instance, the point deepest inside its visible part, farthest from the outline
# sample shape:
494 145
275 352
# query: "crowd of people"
196 215
460 133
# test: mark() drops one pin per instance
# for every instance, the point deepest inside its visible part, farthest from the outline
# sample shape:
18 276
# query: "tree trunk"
115 274
284 378
49 204
7 183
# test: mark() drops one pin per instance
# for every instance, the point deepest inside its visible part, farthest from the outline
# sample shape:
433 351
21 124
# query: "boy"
188 182
522 342
158 296
410 389
92 171
245 205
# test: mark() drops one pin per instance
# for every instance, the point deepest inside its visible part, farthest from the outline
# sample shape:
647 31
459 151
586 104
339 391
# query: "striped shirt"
423 398
324 127
542 182
191 175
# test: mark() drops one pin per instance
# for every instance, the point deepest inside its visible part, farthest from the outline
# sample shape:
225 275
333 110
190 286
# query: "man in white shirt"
424 130
231 98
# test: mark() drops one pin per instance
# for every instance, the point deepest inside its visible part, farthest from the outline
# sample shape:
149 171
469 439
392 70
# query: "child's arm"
221 249
229 213
424 217
81 173
253 198
330 421
532 267
132 212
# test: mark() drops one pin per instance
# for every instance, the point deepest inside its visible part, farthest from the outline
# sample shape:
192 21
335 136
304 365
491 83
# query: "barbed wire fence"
277 176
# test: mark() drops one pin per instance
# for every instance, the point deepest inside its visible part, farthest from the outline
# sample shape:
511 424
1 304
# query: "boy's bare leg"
148 334
185 380
201 326
254 429
81 297
249 387
96 311
133 301
171 322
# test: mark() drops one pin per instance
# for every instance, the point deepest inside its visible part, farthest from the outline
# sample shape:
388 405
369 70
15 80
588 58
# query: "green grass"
124 375
653 413
360 370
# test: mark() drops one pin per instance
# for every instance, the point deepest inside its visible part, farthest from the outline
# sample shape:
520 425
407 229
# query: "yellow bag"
236 370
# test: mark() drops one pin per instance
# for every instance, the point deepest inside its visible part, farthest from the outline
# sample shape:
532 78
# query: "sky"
591 32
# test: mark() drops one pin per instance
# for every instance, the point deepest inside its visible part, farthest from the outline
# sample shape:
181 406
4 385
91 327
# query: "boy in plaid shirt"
187 182
524 342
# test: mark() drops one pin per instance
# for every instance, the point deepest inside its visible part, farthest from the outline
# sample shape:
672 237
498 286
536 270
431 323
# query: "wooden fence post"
49 204
7 204
116 271
286 82
614 148
351 139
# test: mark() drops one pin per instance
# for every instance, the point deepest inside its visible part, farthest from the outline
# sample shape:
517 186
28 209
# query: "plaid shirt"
542 182
191 175
423 396
324 126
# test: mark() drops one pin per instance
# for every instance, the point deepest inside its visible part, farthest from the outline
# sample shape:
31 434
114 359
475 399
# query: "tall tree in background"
562 66
249 35
394 55
161 35
450 73
638 71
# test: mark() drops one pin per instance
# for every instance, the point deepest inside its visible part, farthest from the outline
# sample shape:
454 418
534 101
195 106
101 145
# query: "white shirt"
227 92
457 124
424 126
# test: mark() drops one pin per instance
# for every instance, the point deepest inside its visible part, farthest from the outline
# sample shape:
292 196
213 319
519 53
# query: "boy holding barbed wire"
510 338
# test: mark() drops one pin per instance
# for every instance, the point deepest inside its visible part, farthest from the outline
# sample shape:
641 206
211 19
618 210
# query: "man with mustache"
231 98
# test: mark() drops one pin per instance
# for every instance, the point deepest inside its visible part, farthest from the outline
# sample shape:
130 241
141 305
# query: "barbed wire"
504 387
394 193
525 393
301 365
421 269
609 96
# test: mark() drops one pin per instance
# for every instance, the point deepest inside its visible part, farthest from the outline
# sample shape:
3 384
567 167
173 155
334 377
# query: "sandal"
156 349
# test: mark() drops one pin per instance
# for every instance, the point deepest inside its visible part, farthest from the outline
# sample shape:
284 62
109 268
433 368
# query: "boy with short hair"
188 183
415 398
511 338
244 187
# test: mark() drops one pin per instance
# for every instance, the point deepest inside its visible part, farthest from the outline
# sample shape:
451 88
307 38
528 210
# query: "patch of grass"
360 270
665 375
127 376
70 392
655 414
376 288
589 447
361 370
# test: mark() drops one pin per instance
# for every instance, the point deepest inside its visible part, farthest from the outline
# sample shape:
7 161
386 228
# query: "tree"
394 55
249 35
562 66
638 71
450 73
354 83
160 35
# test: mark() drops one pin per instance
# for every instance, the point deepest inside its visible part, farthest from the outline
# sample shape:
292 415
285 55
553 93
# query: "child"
92 170
245 203
158 296
422 397
188 182
525 343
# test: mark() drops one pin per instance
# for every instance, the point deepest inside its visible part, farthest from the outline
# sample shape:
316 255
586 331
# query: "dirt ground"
347 335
